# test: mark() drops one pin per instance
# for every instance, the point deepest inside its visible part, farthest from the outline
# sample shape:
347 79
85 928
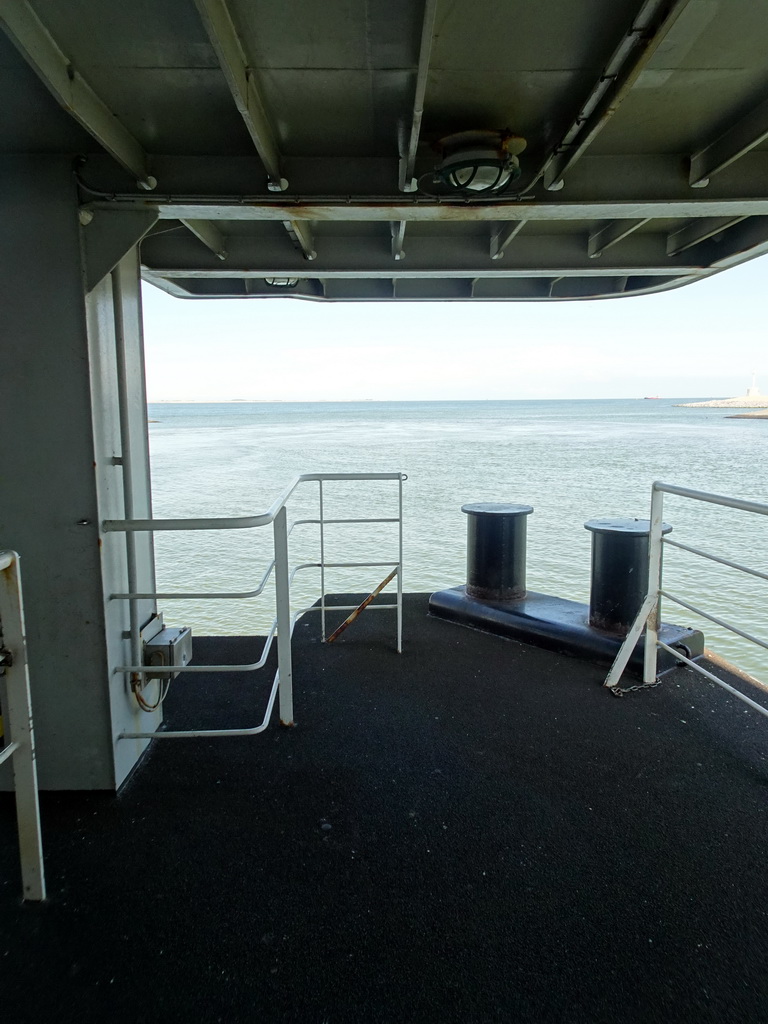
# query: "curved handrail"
238 522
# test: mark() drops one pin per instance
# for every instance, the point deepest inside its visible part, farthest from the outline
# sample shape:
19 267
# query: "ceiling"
646 122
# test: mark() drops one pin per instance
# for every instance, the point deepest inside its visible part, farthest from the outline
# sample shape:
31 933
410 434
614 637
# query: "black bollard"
619 571
496 539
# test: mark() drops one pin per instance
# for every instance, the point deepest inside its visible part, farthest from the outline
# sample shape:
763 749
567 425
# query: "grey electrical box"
171 646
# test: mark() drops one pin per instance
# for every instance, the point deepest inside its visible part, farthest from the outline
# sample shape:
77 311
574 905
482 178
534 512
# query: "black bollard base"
557 625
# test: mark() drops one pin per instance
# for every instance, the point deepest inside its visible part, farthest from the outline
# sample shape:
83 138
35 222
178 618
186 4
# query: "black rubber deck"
472 831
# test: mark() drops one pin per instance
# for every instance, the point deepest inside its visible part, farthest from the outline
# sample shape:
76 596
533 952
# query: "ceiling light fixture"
477 163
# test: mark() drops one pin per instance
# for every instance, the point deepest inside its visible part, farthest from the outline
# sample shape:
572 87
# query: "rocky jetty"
752 400
745 402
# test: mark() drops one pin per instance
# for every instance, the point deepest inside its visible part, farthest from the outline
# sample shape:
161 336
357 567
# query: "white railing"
648 618
21 739
285 620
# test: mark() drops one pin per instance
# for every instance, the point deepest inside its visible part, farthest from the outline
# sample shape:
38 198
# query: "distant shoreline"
396 401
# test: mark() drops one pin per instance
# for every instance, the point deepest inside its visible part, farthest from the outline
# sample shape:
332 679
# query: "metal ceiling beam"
502 235
165 284
649 27
739 139
397 227
209 235
61 78
698 231
57 72
611 234
384 272
408 159
646 177
744 242
407 182
443 255
431 212
475 289
237 70
301 234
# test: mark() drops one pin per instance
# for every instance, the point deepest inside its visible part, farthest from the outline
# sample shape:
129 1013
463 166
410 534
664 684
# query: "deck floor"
472 831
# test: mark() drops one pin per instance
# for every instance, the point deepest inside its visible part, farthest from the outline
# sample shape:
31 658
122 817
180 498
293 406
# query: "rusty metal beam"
647 32
356 211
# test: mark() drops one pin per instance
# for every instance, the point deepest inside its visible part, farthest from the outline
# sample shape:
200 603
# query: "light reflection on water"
571 460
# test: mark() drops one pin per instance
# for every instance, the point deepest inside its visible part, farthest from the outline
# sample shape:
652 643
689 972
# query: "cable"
164 686
281 199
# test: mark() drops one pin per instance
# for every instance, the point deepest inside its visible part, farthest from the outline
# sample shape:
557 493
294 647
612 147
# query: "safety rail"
18 714
284 622
649 616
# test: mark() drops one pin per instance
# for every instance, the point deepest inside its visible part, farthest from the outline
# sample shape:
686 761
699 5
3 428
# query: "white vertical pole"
21 732
654 584
283 608
400 567
322 564
126 464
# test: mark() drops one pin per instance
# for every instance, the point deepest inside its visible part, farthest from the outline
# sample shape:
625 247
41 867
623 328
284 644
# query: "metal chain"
620 691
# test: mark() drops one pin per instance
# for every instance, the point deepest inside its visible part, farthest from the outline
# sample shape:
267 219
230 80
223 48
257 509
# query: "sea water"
571 460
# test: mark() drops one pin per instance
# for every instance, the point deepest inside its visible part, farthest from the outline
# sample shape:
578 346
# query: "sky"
700 341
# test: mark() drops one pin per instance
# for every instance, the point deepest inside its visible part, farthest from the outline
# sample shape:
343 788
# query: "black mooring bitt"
619 571
495 598
496 550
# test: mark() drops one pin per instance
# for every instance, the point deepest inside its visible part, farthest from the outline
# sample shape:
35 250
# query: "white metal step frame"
649 616
284 621
21 738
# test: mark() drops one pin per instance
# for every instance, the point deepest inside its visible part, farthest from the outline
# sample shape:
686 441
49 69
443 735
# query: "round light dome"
479 162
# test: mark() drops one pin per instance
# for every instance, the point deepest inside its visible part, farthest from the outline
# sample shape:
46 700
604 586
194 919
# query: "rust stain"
361 607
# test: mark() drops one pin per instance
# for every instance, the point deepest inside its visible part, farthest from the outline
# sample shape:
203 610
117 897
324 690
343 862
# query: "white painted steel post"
322 564
655 542
400 567
19 710
126 464
283 612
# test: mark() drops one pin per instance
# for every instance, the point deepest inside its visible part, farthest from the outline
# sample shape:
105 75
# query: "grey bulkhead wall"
59 414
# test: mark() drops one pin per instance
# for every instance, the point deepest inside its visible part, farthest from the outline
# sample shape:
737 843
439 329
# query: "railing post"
19 711
655 542
400 566
283 610
322 564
